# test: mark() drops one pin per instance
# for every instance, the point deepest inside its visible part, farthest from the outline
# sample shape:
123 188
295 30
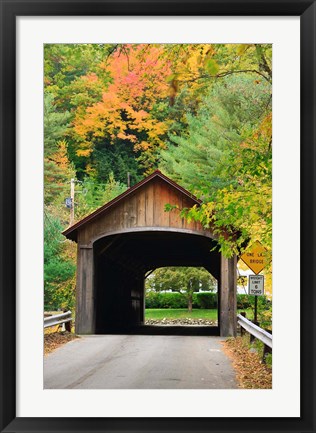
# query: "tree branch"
224 74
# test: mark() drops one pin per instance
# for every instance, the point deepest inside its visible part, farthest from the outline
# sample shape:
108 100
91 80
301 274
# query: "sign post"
256 288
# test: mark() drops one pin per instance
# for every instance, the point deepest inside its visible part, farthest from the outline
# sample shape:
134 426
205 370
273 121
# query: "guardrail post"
68 326
242 331
266 350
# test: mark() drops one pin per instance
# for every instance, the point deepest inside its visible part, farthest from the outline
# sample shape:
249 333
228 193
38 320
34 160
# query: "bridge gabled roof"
72 231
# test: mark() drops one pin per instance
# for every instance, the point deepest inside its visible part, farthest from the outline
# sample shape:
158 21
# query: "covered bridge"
131 235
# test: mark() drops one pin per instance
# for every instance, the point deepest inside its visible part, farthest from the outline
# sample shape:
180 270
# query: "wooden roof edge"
71 232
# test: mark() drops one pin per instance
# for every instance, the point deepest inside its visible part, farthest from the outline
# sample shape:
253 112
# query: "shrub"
244 301
165 300
178 300
247 301
205 300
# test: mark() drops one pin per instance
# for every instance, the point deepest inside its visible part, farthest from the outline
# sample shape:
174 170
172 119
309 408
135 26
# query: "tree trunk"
190 302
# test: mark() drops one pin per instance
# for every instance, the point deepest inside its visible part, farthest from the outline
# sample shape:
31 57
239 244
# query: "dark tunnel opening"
121 263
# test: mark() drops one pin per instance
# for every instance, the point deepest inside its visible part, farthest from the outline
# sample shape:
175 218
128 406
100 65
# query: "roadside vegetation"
251 372
54 338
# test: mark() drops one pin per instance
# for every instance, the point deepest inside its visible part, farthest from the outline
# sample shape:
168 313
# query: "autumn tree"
226 160
72 73
129 115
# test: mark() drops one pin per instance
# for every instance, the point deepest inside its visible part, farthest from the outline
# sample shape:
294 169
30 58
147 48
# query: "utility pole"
72 196
128 180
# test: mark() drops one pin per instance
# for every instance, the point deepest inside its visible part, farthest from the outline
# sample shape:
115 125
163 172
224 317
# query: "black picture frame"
12 9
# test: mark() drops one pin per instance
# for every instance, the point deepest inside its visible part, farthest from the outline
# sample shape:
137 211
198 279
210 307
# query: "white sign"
256 285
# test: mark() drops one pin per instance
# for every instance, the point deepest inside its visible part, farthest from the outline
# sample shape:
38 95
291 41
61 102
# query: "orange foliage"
61 157
139 81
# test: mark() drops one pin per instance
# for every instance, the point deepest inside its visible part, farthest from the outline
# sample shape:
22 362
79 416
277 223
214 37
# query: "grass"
181 313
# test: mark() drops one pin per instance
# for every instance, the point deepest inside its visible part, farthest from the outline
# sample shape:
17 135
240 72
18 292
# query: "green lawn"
181 313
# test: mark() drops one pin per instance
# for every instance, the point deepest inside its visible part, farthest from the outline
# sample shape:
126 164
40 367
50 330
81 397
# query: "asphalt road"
139 362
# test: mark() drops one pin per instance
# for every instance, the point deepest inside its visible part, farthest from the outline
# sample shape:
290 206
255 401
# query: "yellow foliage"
84 152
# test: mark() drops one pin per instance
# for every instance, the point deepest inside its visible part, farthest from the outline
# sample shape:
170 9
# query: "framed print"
97 36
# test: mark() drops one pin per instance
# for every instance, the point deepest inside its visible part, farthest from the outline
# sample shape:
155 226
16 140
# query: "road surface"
139 362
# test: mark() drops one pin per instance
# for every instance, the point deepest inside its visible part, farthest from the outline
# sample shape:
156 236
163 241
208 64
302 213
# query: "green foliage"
57 168
181 279
265 313
248 301
165 300
65 65
119 159
205 300
59 270
184 280
177 300
225 158
56 124
208 300
90 194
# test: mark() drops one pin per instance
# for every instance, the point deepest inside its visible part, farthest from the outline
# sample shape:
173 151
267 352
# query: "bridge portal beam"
85 296
228 297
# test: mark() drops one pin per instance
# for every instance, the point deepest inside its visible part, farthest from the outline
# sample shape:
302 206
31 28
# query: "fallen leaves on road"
56 339
251 373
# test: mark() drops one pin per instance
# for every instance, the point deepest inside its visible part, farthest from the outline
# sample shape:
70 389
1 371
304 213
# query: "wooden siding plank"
131 212
175 200
149 205
141 210
163 199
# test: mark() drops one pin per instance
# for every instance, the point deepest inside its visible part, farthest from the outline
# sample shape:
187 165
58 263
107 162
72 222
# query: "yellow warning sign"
255 258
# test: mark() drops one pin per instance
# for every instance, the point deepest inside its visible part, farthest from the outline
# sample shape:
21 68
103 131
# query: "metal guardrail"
255 330
57 319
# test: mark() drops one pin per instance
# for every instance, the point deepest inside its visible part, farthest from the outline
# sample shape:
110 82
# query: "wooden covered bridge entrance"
131 235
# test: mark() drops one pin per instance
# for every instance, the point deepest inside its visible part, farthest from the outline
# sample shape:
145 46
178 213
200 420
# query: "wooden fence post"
68 326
